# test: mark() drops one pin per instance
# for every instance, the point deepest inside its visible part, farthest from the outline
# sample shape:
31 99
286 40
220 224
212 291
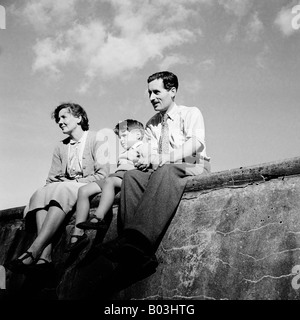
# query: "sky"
236 60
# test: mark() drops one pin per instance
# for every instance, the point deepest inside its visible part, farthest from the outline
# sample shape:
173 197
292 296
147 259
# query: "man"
151 194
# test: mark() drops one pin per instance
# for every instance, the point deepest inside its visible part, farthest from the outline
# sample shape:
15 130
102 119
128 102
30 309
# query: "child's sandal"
99 224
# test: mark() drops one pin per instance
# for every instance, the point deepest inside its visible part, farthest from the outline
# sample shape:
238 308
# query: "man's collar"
172 112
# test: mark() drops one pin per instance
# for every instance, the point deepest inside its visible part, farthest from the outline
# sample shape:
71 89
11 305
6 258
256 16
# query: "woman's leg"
46 254
83 206
47 223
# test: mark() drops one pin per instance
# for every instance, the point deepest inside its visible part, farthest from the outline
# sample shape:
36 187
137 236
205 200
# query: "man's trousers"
149 199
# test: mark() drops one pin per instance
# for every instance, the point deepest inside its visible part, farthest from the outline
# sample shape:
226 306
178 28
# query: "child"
130 133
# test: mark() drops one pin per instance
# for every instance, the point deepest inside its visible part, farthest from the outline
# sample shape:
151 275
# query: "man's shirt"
184 123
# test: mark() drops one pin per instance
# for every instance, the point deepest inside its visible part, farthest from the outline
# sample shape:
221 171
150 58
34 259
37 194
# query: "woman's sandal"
18 266
100 224
78 244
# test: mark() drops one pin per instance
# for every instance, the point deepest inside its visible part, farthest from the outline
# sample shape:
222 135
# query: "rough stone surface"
235 241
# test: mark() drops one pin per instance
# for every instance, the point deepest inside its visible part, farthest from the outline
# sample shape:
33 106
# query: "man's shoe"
129 272
133 254
130 246
112 249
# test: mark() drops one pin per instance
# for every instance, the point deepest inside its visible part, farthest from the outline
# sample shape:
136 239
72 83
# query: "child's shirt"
129 157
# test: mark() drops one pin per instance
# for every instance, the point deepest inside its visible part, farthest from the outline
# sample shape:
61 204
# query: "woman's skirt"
60 194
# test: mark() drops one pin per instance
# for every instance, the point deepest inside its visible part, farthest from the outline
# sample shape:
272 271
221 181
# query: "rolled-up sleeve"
151 139
194 125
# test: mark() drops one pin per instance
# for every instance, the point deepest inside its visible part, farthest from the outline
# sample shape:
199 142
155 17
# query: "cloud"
122 54
239 8
174 59
132 15
261 58
192 86
49 56
284 19
254 28
47 15
84 86
133 33
232 33
207 64
245 21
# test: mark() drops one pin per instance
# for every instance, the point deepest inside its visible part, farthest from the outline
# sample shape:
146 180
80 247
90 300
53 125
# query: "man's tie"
163 146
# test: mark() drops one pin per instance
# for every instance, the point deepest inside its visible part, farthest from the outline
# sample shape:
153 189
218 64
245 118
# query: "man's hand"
59 178
163 159
156 161
159 160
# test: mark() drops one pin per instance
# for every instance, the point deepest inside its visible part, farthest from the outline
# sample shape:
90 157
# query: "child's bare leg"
111 185
83 206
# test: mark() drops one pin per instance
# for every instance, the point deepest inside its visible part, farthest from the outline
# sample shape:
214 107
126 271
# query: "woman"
76 161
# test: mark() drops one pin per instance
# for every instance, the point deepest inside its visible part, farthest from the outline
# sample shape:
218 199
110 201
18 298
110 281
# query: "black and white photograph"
150 155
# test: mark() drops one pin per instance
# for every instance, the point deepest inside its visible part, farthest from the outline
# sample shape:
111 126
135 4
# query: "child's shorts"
118 174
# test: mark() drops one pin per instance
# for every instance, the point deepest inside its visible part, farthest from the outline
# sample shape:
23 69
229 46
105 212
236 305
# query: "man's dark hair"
169 79
128 125
76 110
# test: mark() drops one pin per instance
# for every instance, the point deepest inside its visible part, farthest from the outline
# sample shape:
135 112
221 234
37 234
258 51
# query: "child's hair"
129 125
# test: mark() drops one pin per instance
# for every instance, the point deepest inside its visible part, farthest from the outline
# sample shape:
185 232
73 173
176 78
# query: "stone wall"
235 236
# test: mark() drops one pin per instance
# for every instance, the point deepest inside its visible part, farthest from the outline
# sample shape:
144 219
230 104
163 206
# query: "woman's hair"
76 110
169 79
128 125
